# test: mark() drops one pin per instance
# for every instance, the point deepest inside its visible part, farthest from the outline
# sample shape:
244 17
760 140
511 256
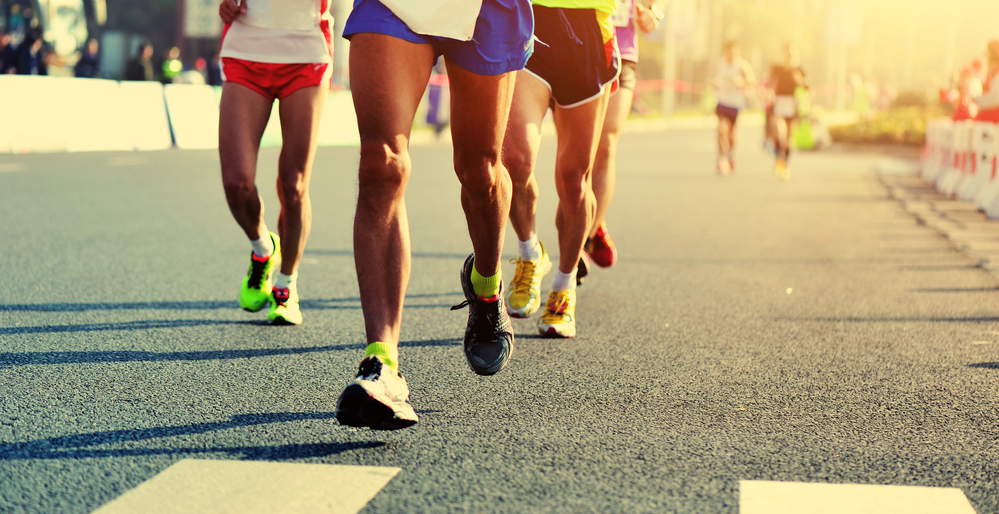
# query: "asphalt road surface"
753 330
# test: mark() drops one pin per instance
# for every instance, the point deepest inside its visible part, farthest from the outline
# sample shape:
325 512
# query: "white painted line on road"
248 487
765 497
12 167
981 342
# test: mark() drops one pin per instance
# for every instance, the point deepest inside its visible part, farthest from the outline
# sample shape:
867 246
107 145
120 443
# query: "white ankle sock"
564 281
263 247
530 250
286 281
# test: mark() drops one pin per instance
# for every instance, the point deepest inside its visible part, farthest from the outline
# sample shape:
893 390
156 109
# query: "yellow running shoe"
559 319
780 169
256 288
284 306
524 297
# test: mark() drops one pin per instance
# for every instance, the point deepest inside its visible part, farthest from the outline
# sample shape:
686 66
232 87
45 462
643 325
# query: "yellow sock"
485 287
387 353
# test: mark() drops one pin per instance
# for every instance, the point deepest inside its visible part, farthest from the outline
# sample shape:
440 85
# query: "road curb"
966 227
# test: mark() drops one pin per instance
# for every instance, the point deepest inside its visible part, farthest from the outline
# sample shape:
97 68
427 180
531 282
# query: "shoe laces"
371 369
523 276
281 295
257 267
558 302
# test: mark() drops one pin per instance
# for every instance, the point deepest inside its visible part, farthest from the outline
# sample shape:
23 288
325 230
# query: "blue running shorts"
503 40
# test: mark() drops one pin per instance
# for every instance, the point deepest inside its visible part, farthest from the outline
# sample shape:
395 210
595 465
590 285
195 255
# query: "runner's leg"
520 150
300 114
605 165
243 115
480 108
579 131
388 78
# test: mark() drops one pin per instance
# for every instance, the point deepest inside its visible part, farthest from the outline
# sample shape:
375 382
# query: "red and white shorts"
275 80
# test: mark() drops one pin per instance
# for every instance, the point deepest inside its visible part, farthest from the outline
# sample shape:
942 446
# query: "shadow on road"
985 365
41 358
316 304
81 446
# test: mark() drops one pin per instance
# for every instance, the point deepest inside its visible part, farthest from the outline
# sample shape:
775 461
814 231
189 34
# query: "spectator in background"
16 25
31 56
988 102
213 70
141 68
172 65
8 55
88 67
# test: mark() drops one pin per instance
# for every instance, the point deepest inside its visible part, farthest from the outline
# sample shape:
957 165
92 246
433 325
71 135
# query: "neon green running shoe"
256 289
284 306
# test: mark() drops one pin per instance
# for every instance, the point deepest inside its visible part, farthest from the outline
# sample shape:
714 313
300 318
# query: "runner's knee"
383 170
293 187
478 170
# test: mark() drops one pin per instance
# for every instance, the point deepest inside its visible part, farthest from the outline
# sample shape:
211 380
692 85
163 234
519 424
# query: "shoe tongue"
492 299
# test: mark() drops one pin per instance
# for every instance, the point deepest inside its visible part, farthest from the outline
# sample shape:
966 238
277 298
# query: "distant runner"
273 51
787 79
734 78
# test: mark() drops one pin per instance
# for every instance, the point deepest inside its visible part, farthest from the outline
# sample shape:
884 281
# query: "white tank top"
281 32
729 94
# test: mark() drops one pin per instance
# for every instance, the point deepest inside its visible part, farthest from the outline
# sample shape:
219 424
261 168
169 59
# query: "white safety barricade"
960 141
32 115
146 115
194 116
986 160
978 169
934 148
339 127
95 116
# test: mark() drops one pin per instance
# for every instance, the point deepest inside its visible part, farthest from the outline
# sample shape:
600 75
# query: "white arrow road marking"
764 497
248 487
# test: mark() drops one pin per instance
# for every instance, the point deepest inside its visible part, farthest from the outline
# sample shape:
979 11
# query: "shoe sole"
555 334
357 408
281 321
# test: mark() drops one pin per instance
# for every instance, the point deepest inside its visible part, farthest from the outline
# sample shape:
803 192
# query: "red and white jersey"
281 32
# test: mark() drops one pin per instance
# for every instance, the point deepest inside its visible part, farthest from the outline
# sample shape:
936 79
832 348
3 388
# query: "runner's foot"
524 297
559 319
780 169
284 306
489 334
583 267
601 247
256 288
377 398
724 166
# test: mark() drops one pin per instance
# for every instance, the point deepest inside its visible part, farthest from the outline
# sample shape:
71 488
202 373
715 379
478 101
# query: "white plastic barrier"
978 169
146 115
986 160
94 116
960 139
194 116
339 127
32 121
934 148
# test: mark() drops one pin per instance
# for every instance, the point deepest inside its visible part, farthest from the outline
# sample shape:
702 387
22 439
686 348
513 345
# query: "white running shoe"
377 398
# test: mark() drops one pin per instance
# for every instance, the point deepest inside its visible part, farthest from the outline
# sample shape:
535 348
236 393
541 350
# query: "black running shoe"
377 398
489 334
